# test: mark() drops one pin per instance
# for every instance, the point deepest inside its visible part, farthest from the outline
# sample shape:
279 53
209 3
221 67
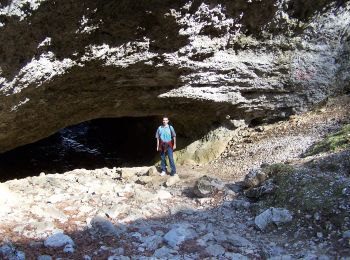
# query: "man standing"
166 143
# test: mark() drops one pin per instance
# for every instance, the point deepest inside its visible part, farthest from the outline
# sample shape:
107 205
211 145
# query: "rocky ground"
282 141
260 200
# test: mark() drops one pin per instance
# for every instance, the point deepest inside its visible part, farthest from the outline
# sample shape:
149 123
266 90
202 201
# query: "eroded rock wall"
201 62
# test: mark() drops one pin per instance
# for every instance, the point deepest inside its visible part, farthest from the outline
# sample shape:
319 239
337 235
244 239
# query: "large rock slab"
215 250
273 215
103 227
58 240
206 186
172 180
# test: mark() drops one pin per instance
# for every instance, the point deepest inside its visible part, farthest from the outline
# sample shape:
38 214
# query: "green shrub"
332 142
278 169
308 193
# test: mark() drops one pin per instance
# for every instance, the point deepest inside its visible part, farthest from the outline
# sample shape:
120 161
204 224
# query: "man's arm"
173 135
157 136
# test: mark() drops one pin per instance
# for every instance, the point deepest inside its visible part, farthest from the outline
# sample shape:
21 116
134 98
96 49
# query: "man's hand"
174 146
158 149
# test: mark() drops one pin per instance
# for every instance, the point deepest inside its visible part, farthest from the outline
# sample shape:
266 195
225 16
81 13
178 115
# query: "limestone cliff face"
199 61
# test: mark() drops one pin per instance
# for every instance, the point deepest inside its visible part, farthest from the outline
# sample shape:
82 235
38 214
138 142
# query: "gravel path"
279 142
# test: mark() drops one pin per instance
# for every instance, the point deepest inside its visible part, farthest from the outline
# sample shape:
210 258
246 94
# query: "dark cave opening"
103 142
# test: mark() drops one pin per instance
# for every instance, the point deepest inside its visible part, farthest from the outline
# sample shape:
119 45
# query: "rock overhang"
196 61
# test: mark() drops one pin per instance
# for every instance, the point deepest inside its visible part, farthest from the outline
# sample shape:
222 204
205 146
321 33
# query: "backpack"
171 132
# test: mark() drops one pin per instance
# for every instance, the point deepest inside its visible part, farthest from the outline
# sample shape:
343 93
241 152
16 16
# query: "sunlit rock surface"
201 62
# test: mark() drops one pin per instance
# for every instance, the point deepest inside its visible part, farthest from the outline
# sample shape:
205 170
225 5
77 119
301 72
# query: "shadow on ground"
219 226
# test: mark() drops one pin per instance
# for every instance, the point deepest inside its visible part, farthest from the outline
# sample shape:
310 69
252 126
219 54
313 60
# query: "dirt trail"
283 141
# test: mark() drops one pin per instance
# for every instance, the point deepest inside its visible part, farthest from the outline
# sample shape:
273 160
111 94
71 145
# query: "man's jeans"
171 160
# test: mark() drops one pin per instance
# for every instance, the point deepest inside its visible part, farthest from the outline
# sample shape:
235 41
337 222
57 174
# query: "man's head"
165 120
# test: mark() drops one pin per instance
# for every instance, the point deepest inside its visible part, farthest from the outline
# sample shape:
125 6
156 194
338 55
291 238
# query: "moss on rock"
308 193
278 169
332 142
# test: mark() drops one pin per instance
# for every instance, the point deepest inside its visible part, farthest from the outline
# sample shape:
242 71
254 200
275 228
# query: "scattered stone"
163 194
203 201
233 239
267 187
274 250
44 257
58 240
153 171
180 207
118 251
118 257
133 214
7 196
144 196
283 257
7 249
178 234
207 237
346 234
240 204
57 198
317 216
215 250
280 215
115 210
235 256
4 193
165 253
159 233
319 234
68 249
128 173
259 129
9 252
85 209
273 215
18 255
43 226
234 187
103 227
206 186
143 180
254 178
50 212
172 180
36 244
151 242
238 123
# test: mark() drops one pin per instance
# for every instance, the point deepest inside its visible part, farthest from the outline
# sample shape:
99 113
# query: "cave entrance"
103 142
